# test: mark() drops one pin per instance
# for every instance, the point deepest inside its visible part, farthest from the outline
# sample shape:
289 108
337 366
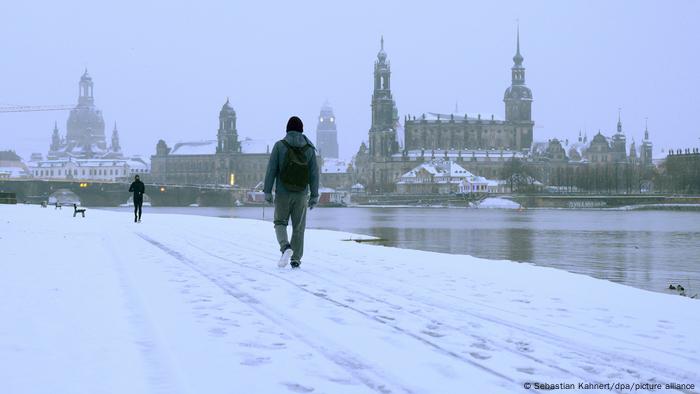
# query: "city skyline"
264 92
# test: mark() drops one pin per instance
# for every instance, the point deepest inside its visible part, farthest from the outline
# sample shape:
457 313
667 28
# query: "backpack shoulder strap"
285 143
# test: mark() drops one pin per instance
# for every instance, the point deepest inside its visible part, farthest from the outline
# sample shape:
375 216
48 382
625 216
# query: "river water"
644 249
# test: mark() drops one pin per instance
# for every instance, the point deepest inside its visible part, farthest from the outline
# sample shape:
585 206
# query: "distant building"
479 144
224 161
327 133
85 135
441 177
482 145
600 150
11 165
104 170
461 132
336 173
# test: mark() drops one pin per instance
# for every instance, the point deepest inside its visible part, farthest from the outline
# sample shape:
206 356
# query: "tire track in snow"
159 373
599 357
394 307
348 362
434 346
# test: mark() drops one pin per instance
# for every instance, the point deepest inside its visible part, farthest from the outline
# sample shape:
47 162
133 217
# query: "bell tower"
518 101
227 136
382 134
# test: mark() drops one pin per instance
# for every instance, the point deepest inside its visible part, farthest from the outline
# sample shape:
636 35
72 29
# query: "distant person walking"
138 188
294 172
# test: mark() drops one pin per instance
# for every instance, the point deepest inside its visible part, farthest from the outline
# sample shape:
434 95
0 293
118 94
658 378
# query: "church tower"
645 153
327 133
619 143
228 135
518 101
115 148
382 134
55 139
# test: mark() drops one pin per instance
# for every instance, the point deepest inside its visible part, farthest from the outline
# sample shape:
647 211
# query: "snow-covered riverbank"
188 304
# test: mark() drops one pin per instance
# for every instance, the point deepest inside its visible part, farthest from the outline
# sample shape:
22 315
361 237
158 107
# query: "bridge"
102 193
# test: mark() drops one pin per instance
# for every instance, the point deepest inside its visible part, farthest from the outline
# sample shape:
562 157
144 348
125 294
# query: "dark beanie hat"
295 124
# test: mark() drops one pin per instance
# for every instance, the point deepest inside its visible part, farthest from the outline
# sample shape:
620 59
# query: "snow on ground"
498 202
188 304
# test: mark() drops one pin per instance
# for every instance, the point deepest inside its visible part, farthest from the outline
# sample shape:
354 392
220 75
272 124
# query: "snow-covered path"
187 304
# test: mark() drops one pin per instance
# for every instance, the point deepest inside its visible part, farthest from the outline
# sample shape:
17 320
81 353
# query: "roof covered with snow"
13 172
439 168
249 145
334 166
207 147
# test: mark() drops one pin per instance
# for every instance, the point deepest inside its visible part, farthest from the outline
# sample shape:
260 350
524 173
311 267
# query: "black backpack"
295 168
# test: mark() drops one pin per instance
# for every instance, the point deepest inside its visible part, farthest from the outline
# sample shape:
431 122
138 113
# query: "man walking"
138 188
294 172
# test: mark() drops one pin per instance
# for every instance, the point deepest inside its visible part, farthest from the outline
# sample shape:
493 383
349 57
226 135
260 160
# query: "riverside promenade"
189 304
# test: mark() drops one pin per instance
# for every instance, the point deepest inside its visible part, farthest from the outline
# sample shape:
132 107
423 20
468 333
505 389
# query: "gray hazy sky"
162 69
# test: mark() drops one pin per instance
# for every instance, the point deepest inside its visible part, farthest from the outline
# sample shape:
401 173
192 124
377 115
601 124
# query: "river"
644 249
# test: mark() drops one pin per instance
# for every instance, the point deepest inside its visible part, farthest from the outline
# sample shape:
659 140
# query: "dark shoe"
135 220
295 264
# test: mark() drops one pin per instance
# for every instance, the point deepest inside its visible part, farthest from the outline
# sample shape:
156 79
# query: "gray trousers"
291 205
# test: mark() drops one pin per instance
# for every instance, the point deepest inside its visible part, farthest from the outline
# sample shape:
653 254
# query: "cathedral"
479 145
482 146
85 130
449 132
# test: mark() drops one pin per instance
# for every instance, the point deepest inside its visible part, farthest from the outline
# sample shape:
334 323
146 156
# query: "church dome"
227 109
518 92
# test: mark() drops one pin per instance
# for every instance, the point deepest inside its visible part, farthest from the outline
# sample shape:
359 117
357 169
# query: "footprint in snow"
523 347
433 334
297 388
253 361
217 332
479 356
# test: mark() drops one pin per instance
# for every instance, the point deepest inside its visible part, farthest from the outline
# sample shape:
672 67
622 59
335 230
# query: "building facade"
104 170
224 161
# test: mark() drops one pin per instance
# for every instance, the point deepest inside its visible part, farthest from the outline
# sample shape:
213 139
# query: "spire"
646 129
381 55
518 58
619 120
116 147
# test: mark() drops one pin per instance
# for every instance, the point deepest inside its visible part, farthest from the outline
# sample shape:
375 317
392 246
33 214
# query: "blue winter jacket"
274 166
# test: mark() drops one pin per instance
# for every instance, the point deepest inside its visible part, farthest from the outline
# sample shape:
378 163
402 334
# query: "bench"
77 210
58 206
